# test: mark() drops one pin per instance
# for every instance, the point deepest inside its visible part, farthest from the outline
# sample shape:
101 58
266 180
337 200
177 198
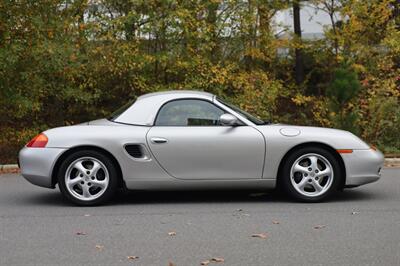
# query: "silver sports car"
194 140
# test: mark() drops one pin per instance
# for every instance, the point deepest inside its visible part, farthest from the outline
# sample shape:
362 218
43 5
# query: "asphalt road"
359 227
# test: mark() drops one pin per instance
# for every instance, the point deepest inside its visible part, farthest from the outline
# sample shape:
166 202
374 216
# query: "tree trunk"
299 64
212 9
396 13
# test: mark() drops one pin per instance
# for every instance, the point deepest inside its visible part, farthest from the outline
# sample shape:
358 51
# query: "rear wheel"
311 174
87 178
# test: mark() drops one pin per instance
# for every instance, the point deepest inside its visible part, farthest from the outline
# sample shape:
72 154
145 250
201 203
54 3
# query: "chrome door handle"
158 140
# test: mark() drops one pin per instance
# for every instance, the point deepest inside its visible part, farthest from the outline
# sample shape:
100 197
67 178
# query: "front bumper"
37 164
362 167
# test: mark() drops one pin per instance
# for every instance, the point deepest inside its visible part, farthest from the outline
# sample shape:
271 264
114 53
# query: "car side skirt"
175 184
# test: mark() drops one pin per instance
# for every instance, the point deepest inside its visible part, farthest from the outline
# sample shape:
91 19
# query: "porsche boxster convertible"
194 140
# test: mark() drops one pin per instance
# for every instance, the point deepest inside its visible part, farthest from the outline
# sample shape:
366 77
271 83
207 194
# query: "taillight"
39 141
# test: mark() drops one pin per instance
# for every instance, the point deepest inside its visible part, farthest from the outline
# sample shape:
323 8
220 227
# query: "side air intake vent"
134 150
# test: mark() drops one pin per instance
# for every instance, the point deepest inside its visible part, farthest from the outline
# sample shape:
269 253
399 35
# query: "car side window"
189 112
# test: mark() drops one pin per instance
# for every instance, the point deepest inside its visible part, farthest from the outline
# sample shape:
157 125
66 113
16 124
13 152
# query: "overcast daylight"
215 132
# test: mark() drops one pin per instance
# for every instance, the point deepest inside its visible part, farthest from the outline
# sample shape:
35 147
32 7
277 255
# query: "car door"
189 143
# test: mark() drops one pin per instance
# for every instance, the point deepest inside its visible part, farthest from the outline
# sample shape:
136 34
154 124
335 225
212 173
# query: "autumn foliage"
65 62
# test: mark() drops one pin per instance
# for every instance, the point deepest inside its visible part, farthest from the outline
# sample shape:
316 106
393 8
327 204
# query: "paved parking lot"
358 227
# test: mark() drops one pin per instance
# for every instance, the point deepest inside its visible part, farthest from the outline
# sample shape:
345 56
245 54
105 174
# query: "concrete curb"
392 162
8 166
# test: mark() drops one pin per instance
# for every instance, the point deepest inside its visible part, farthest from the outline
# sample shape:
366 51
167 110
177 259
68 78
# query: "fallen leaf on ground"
275 222
132 257
206 262
80 233
172 233
319 226
262 235
216 259
99 247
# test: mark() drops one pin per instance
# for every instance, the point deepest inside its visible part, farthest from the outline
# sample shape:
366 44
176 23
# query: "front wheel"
87 178
311 174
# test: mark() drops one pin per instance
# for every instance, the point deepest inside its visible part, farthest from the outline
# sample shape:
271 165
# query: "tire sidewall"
288 186
113 177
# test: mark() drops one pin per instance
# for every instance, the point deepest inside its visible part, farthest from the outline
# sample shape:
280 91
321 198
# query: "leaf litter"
261 235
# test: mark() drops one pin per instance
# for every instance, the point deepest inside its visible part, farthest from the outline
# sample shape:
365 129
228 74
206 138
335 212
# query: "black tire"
113 179
285 177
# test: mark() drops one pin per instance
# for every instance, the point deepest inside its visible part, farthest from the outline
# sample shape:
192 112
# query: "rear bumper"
37 165
362 167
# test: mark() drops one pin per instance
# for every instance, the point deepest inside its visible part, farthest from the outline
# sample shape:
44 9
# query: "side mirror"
228 120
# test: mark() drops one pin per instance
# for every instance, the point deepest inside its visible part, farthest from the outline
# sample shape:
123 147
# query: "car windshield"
120 110
248 116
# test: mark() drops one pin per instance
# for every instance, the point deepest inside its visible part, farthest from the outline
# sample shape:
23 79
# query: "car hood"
336 138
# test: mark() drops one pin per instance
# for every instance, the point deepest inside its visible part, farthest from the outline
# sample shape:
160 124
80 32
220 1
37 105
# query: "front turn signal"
345 151
40 141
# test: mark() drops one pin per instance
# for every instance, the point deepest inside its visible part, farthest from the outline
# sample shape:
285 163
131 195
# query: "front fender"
279 144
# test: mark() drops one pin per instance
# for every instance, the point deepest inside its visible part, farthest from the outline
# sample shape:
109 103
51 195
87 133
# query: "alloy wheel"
87 178
311 175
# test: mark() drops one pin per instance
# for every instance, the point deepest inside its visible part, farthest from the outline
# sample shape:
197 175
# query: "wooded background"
65 62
